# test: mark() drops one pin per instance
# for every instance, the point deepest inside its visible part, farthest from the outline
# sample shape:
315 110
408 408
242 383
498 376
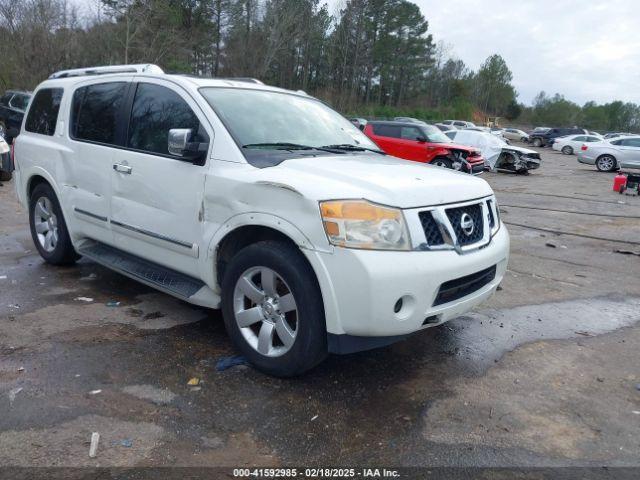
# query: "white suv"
260 201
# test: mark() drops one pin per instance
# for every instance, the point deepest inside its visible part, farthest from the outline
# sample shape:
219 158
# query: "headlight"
362 224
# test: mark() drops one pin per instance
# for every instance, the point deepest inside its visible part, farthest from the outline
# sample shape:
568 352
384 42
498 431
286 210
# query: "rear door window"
156 110
43 114
19 102
392 131
96 112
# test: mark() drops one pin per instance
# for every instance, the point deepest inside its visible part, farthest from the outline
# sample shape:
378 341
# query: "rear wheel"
5 176
273 309
606 163
567 150
48 228
524 139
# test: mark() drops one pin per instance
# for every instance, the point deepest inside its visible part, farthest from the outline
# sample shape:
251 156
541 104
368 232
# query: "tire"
3 131
537 142
304 342
606 163
567 150
442 162
524 140
46 218
5 176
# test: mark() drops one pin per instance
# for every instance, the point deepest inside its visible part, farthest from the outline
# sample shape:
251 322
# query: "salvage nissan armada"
259 201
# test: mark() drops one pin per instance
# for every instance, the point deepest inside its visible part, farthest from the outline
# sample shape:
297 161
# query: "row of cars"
453 144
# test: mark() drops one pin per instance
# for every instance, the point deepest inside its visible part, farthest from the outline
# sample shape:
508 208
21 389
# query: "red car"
424 143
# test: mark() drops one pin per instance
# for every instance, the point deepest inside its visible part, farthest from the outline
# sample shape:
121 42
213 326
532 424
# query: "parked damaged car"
499 155
424 143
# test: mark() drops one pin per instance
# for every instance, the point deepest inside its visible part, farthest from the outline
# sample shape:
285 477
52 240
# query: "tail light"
583 148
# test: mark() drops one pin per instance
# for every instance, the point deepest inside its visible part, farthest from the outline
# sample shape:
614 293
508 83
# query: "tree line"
368 57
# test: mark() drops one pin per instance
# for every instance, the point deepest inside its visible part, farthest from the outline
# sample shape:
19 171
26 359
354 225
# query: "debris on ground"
153 315
21 369
227 362
12 395
315 417
113 303
548 244
84 299
3 277
638 387
584 334
126 443
193 382
95 392
91 276
93 449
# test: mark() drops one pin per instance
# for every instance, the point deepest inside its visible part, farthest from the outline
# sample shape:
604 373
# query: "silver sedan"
612 154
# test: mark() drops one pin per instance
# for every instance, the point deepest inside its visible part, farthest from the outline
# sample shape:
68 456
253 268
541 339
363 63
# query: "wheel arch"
246 229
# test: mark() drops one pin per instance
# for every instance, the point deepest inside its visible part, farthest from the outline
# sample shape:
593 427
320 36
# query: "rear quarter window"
43 113
392 131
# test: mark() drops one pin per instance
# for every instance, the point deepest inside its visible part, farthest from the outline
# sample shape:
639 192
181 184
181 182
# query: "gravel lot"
546 373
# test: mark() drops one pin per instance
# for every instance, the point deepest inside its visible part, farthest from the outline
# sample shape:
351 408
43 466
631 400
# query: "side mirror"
421 139
180 144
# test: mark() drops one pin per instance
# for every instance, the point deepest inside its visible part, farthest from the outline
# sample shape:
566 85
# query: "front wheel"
5 176
48 228
442 162
537 142
567 150
273 310
606 163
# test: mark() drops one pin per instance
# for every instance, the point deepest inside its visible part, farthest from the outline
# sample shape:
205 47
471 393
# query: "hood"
385 180
526 151
459 146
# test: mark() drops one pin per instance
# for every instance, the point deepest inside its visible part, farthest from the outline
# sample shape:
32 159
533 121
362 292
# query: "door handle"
118 167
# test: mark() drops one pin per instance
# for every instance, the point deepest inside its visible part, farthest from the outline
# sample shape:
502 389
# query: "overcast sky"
583 50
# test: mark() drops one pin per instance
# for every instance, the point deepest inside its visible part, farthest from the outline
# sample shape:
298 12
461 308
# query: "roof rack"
111 69
243 79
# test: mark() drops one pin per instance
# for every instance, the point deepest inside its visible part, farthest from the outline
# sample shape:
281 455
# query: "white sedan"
572 143
612 154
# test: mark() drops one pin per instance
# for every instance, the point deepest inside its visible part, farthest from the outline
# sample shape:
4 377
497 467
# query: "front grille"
431 230
455 217
463 286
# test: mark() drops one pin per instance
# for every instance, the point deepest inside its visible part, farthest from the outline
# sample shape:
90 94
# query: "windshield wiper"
279 146
352 148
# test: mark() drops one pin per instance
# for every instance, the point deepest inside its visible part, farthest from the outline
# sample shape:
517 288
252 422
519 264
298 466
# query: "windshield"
434 134
267 120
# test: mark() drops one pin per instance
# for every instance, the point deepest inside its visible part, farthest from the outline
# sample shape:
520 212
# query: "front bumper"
361 288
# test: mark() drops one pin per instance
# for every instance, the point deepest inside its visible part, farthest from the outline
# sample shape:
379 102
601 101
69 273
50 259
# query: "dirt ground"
547 373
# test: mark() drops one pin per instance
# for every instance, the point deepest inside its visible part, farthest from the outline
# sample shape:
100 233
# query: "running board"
162 278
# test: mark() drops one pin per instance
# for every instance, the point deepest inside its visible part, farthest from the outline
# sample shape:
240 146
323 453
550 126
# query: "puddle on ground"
483 337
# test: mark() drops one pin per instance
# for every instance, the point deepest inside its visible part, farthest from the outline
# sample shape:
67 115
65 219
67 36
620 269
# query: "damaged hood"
524 151
386 180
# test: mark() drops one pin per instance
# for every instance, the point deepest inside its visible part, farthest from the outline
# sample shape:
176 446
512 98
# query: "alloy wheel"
46 224
265 311
606 163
